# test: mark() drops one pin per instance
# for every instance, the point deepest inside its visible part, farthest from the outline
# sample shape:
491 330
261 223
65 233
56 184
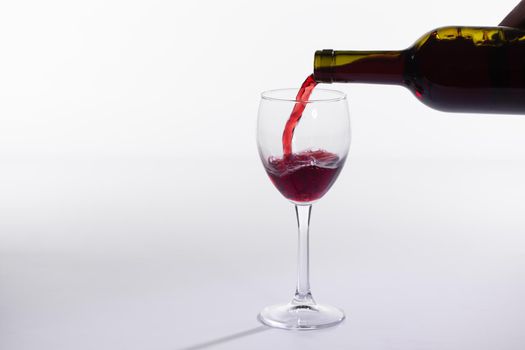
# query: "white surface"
134 213
158 254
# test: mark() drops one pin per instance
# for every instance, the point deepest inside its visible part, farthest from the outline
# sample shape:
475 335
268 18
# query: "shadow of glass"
227 338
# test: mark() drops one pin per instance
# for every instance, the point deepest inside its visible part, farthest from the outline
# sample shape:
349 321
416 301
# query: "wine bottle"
453 69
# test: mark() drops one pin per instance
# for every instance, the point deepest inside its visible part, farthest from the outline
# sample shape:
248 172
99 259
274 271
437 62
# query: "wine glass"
303 173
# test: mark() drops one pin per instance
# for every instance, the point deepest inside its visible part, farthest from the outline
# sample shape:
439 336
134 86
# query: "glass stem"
302 293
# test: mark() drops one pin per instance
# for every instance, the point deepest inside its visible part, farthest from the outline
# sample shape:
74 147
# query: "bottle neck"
375 67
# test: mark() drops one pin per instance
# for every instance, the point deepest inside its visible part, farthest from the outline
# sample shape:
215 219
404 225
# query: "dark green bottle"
454 69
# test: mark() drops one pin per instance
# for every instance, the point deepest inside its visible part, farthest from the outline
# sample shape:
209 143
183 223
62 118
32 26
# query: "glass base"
295 316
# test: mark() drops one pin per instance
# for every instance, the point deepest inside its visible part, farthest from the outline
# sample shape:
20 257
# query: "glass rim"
266 95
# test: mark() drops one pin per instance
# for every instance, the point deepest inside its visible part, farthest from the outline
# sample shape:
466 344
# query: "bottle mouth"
323 66
289 95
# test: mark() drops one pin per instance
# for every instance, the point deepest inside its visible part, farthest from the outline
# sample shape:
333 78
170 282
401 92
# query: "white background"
134 213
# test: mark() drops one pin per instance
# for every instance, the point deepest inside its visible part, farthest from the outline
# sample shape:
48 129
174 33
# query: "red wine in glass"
304 176
308 175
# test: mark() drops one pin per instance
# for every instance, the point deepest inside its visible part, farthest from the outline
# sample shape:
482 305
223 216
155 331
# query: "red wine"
305 176
308 175
301 100
453 69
